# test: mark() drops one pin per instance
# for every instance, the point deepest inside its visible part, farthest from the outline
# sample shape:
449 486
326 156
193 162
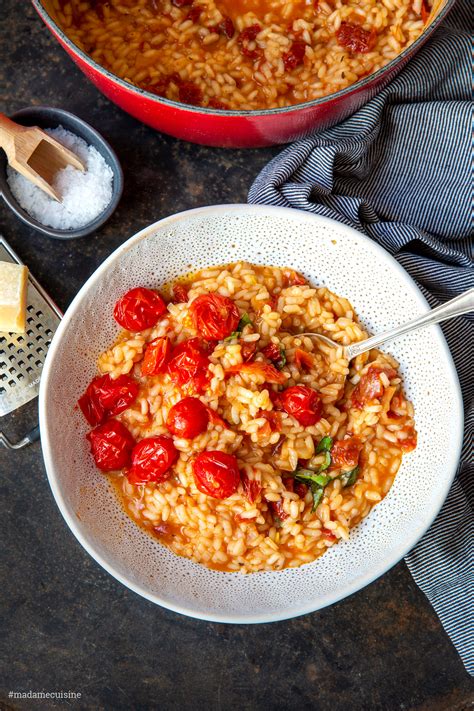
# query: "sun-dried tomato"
274 397
273 303
355 37
295 55
293 278
216 104
278 512
162 530
395 404
266 371
190 93
425 11
225 27
195 13
216 419
328 535
370 387
409 443
181 3
273 418
297 487
248 350
98 6
252 487
345 452
159 87
272 352
247 44
303 359
301 489
180 294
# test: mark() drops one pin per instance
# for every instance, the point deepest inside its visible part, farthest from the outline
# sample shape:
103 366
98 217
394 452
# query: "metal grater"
22 355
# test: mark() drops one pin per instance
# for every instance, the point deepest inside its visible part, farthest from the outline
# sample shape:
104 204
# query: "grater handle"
31 437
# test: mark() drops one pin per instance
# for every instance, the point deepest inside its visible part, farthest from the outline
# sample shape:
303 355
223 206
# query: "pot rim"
217 113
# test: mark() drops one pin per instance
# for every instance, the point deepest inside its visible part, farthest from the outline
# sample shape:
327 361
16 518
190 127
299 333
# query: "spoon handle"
455 307
8 131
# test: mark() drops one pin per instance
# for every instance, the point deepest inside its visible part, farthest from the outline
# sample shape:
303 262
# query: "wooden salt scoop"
35 154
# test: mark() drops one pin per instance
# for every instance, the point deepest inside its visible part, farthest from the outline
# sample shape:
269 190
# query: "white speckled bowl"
328 253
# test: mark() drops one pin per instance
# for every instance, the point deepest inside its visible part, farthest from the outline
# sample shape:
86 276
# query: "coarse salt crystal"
84 195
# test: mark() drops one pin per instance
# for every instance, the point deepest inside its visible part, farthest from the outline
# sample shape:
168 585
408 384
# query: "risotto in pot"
235 441
242 54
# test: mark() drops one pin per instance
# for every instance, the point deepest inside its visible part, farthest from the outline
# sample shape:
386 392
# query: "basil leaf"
327 462
282 362
308 475
324 445
349 478
244 321
317 492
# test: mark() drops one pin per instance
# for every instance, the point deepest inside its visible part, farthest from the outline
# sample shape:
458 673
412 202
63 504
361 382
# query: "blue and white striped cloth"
400 171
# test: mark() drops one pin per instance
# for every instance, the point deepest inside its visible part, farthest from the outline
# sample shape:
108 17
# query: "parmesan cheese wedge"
13 286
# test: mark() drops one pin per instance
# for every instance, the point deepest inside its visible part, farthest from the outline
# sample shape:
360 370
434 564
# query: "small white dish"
328 253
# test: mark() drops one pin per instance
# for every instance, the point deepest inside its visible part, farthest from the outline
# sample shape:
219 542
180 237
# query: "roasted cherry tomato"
189 366
370 386
268 372
345 452
111 445
138 309
156 357
188 418
152 459
214 316
105 397
303 403
216 474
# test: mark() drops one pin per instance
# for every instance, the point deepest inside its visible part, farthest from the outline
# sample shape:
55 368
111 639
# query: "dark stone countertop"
66 623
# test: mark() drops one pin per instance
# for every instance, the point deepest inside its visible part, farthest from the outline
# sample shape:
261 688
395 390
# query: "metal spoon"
462 304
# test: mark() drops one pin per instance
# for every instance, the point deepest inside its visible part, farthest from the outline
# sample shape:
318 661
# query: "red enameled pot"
238 129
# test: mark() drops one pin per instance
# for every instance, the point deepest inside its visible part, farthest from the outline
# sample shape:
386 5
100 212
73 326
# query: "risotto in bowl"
211 453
